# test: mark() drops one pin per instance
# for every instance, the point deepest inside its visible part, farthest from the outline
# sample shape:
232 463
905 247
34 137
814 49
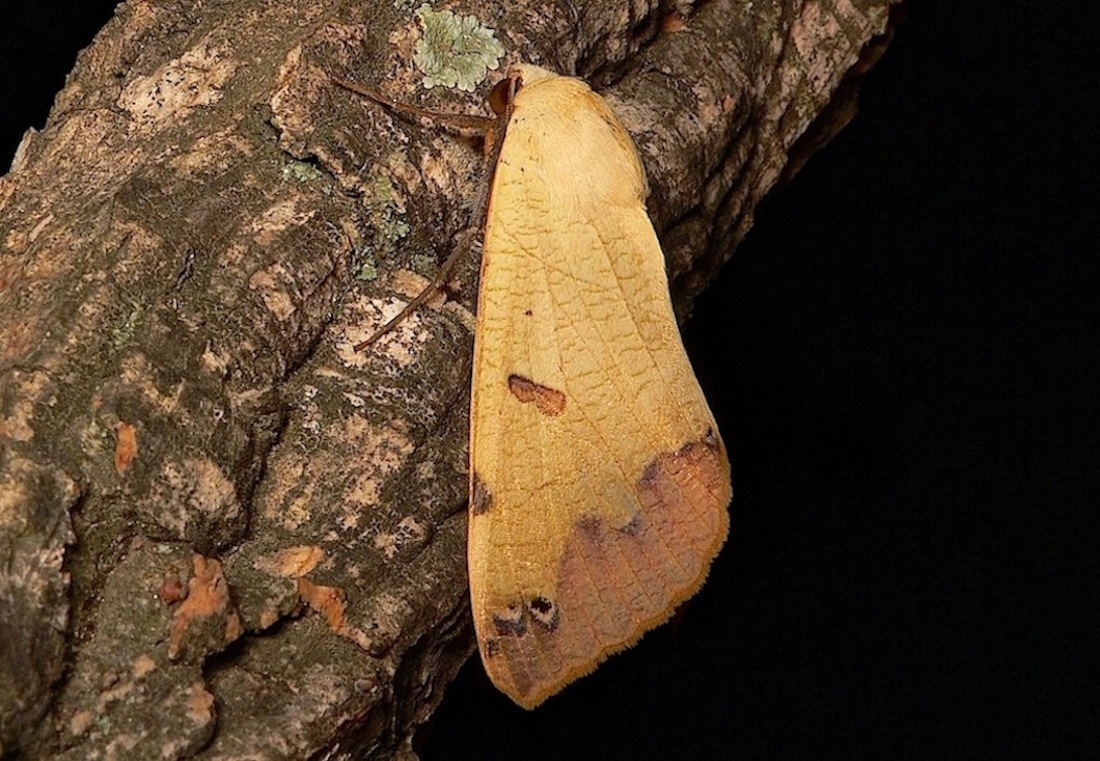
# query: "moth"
599 483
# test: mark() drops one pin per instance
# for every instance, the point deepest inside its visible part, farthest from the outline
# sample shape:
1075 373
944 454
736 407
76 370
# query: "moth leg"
493 130
441 279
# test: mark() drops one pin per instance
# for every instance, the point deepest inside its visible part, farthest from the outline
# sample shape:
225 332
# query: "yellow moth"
599 484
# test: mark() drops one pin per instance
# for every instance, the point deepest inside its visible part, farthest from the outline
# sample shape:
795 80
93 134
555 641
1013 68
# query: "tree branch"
222 528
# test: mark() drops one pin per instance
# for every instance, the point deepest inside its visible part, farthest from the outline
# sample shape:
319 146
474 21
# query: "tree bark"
225 533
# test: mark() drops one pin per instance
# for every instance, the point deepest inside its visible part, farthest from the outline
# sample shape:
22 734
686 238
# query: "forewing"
599 483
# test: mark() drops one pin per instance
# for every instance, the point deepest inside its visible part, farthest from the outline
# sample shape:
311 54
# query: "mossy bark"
224 531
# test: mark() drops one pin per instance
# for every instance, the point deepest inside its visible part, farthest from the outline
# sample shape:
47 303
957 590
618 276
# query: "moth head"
504 92
519 76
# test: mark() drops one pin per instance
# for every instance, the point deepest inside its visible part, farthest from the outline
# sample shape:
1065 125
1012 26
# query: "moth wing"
599 483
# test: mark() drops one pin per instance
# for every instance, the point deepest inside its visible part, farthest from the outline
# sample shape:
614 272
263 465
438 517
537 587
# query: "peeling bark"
224 532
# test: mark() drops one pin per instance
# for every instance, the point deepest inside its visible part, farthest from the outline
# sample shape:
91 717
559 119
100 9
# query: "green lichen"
300 171
382 189
455 51
392 228
425 265
388 220
122 334
368 270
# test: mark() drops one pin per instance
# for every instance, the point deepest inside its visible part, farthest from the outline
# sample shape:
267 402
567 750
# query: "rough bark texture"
224 533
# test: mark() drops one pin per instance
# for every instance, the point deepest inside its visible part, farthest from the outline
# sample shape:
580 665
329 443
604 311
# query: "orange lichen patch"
233 626
171 588
80 722
269 616
113 690
547 400
673 22
126 447
617 582
291 562
207 596
330 602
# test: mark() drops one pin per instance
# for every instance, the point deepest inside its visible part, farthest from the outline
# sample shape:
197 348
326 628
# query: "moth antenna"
465 125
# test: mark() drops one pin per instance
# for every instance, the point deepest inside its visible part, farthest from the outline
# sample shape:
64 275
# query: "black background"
903 360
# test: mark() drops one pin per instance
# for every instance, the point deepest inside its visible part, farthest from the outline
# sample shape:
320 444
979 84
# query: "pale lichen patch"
142 666
197 78
267 283
408 531
455 51
38 228
301 172
80 722
201 492
384 449
138 373
21 337
398 344
386 208
214 363
462 314
287 502
27 389
290 562
200 704
278 218
384 617
13 496
211 154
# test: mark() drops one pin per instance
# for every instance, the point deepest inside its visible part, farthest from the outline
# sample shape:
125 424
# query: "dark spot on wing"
544 612
547 400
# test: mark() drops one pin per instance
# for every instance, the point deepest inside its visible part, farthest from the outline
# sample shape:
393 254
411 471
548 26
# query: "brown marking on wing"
481 499
617 582
549 401
510 622
543 612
